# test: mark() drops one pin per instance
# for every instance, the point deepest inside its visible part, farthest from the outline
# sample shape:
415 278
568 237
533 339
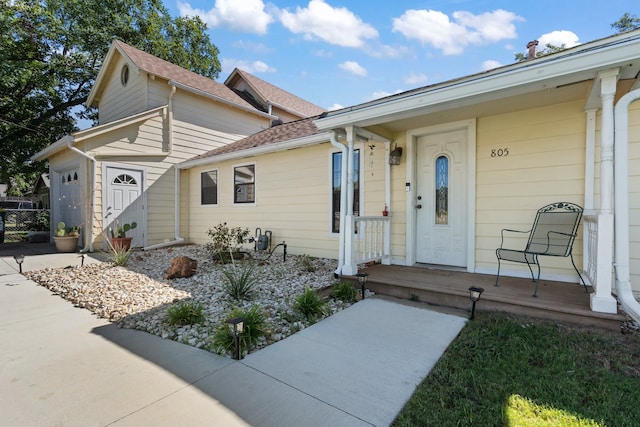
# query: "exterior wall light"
394 155
474 295
236 326
19 259
362 280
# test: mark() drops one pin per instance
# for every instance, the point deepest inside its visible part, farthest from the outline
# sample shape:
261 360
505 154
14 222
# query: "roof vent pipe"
531 46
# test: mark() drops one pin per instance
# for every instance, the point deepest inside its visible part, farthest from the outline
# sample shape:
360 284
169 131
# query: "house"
476 154
152 116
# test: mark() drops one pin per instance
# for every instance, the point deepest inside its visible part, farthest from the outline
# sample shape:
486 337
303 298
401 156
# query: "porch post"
350 268
602 300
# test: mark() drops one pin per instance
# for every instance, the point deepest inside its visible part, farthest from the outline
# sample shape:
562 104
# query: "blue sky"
337 53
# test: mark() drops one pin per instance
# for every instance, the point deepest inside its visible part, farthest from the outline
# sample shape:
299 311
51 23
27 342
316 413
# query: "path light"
19 259
474 295
362 279
236 326
81 260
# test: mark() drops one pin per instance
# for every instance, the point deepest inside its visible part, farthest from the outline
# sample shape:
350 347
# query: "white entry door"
441 207
124 201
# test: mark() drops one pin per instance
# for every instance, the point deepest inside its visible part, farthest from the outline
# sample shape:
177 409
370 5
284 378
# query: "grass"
185 313
240 280
310 305
255 326
508 371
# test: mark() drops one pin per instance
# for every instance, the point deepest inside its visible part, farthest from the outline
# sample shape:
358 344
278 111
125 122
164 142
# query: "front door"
124 201
441 208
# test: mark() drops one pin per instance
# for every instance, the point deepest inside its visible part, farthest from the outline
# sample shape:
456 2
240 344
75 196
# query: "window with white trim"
209 188
244 184
336 173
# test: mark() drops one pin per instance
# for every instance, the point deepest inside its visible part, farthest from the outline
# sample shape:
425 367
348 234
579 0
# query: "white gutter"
621 259
92 203
343 197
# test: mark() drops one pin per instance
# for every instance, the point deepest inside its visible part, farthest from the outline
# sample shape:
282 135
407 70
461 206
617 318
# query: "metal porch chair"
553 233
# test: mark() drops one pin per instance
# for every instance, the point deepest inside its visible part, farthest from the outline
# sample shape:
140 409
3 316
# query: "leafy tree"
51 52
627 22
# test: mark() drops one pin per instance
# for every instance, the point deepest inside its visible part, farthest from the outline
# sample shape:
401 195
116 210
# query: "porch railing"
372 239
598 259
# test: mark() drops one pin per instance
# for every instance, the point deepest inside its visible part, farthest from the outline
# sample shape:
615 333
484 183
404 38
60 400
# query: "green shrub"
226 242
119 255
344 291
309 304
185 313
254 327
240 280
307 263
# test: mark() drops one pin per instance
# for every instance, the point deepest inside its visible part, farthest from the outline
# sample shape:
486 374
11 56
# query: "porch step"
557 301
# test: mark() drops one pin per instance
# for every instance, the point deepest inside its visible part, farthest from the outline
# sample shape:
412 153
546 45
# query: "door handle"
418 206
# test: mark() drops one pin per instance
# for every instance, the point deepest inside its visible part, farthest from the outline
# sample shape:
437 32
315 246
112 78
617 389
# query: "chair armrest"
510 231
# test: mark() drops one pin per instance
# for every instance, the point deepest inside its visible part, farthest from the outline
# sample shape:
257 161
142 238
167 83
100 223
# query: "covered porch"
556 301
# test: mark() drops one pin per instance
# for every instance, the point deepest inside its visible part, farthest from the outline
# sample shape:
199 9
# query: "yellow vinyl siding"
119 101
545 164
634 194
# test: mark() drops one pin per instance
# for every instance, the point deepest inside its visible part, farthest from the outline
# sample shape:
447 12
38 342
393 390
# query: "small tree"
226 242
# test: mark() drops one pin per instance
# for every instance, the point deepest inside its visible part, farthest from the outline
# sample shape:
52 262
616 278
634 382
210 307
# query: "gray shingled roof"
280 97
166 70
279 133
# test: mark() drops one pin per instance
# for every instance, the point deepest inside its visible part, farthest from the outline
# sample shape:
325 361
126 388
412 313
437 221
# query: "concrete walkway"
61 366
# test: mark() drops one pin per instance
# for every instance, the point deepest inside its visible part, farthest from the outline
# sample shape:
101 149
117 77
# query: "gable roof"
160 68
273 95
284 136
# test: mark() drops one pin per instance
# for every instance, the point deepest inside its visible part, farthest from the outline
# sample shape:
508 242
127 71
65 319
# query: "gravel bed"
138 296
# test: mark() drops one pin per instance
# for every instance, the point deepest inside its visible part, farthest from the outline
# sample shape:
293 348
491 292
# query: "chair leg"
579 275
535 291
498 273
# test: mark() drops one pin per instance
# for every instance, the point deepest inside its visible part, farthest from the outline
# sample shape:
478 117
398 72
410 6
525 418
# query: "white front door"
124 201
441 195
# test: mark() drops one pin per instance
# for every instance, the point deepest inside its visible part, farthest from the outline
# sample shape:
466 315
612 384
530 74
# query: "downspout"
621 258
343 197
177 238
92 203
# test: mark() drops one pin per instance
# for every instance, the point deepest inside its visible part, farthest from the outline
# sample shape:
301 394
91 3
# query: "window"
336 173
244 184
209 188
442 190
124 75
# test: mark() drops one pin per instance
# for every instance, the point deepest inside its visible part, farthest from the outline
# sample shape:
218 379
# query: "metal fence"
19 222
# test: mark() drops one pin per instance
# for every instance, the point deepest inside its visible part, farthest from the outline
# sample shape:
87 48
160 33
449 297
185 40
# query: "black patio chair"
553 233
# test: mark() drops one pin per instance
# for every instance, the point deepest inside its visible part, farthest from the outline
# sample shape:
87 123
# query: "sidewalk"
60 365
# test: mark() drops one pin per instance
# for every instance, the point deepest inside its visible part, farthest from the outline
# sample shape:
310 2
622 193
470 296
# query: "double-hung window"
244 184
209 188
336 173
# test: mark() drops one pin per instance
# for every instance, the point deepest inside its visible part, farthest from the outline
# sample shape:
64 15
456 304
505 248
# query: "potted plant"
66 238
119 238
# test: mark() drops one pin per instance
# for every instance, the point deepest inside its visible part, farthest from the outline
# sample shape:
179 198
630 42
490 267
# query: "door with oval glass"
441 193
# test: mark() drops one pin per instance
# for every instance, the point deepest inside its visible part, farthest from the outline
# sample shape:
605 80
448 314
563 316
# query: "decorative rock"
182 266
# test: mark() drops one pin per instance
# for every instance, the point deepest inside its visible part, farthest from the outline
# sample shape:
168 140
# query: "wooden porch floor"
559 301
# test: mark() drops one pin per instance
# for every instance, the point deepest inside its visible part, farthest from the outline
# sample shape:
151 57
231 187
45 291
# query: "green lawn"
508 371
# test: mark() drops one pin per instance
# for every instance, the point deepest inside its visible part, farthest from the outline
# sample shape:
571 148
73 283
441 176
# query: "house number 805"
499 152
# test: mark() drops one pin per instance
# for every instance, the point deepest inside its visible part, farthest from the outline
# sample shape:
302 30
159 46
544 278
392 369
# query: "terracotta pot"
66 243
121 243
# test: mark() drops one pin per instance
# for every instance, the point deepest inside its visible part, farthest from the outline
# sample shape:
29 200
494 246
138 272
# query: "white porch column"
350 267
601 299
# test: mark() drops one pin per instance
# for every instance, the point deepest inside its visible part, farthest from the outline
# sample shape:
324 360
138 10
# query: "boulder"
182 266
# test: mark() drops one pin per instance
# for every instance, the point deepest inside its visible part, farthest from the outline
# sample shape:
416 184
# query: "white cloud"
381 94
386 51
323 53
434 28
415 79
335 107
490 64
558 38
334 25
354 68
229 64
245 16
252 46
